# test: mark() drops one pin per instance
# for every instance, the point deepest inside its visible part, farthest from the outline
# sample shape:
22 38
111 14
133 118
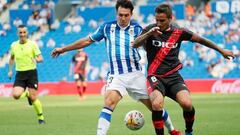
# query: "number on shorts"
154 79
110 79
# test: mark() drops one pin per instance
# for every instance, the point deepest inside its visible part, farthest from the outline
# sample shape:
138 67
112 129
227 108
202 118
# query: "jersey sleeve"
98 35
187 35
138 29
36 50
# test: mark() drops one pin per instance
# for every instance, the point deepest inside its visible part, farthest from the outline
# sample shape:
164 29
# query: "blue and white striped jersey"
123 58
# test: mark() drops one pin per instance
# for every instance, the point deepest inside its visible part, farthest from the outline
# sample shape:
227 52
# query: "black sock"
189 119
84 89
158 122
79 91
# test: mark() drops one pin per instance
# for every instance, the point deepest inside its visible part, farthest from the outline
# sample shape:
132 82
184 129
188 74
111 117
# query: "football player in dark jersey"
79 66
162 42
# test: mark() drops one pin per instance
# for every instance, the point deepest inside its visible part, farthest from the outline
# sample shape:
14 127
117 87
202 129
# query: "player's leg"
19 86
112 97
157 100
32 84
18 92
137 90
184 100
167 120
37 105
79 90
114 92
25 94
180 93
169 125
84 83
78 84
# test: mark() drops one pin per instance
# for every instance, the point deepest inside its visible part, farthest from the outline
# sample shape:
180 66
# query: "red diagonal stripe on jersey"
164 51
79 63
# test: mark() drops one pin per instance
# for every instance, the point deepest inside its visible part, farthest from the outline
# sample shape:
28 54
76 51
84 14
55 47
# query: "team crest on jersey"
112 30
131 32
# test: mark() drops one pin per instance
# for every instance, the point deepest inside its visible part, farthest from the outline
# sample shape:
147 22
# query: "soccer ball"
134 120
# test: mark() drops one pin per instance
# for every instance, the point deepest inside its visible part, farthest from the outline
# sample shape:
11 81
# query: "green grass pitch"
66 115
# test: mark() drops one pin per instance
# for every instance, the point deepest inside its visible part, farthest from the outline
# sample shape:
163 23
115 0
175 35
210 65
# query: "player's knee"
33 97
16 96
110 102
157 105
186 105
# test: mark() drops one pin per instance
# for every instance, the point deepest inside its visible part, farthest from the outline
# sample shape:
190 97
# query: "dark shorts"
169 85
79 77
26 79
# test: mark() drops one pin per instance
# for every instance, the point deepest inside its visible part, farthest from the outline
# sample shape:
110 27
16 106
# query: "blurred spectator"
94 73
93 24
6 26
51 43
236 51
35 15
67 29
3 5
17 22
39 43
221 68
76 28
188 62
25 5
104 71
3 33
182 55
80 20
143 60
150 18
51 4
190 10
55 25
208 11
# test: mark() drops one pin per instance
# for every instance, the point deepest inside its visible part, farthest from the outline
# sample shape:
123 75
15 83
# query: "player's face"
22 34
123 16
162 21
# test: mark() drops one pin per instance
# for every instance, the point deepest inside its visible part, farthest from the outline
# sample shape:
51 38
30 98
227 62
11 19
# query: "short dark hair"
164 8
125 4
22 26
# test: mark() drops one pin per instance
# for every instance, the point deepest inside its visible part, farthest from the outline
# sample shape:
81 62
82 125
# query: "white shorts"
133 84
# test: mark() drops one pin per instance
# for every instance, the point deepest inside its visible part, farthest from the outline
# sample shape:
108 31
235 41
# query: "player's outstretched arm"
225 53
83 42
11 62
141 38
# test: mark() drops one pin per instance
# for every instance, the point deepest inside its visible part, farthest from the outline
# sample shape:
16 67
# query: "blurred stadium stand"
198 61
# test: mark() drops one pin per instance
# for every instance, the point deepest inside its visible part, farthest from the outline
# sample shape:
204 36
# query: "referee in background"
26 55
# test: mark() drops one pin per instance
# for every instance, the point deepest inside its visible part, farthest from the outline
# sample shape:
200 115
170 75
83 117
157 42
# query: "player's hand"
155 31
10 74
228 54
56 52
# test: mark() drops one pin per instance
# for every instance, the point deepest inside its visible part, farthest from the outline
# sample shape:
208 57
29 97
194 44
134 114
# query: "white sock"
104 121
167 121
